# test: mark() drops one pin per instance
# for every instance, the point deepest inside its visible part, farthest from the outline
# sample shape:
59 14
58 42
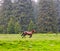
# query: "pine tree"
17 28
31 26
5 12
47 19
1 29
18 9
10 27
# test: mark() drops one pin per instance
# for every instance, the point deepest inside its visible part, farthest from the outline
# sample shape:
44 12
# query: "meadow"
39 42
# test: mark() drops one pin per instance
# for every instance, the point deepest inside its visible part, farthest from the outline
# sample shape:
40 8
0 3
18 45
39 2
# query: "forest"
22 15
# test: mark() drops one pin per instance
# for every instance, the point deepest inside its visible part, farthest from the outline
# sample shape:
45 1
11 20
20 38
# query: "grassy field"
39 42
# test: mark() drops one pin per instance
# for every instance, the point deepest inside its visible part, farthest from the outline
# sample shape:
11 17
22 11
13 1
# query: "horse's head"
33 31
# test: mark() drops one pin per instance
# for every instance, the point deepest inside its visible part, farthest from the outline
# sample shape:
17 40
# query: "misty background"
21 15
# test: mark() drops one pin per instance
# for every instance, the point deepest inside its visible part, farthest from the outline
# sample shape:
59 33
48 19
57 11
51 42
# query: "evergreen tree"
47 19
6 8
17 28
10 27
1 29
18 9
31 26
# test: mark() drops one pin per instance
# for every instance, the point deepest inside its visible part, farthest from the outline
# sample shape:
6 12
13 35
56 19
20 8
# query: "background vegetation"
20 15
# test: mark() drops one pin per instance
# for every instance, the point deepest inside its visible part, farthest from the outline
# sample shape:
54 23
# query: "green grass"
39 42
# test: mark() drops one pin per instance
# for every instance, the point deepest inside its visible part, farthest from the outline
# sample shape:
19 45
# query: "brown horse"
28 33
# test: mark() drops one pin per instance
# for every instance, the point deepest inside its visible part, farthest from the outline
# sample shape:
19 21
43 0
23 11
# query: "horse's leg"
24 35
30 36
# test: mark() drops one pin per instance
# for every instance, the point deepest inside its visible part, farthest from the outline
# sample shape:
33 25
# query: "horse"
28 33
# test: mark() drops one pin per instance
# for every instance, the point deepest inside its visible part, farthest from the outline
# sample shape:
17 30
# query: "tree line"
21 15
